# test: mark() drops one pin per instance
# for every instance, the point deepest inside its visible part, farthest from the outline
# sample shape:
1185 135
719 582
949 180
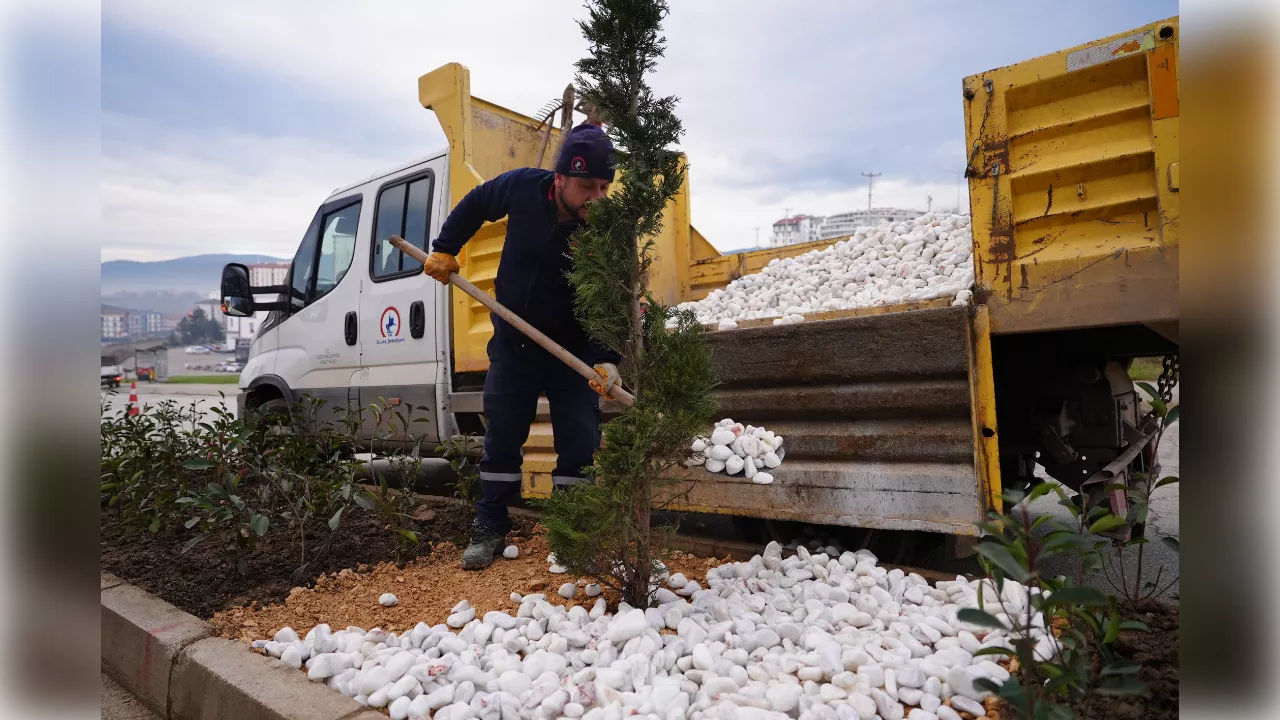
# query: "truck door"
401 307
319 339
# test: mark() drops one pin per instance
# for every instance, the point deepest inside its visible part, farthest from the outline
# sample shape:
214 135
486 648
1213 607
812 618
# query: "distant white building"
124 323
267 274
144 322
212 308
842 224
794 230
115 322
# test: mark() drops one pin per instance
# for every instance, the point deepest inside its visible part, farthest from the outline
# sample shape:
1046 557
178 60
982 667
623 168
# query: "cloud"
783 104
166 193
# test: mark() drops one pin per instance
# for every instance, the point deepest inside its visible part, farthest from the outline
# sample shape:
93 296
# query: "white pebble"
568 590
387 600
964 704
946 713
511 552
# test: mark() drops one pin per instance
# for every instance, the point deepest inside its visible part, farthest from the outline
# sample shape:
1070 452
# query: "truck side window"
337 247
404 209
303 264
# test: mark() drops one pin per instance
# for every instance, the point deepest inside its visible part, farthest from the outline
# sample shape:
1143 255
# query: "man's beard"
569 210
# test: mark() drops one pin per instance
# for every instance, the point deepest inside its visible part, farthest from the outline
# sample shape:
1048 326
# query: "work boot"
485 545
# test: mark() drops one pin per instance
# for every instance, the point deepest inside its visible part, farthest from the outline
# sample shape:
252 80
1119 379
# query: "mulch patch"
1157 651
204 580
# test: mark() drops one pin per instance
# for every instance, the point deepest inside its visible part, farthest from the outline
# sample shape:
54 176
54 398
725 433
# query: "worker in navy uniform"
543 209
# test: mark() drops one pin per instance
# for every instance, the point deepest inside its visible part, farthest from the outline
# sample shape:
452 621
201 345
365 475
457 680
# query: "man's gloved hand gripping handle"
608 378
438 265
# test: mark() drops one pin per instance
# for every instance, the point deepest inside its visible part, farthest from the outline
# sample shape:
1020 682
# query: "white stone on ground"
511 552
819 634
387 600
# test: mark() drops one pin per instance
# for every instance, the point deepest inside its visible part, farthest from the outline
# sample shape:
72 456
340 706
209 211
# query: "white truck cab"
356 319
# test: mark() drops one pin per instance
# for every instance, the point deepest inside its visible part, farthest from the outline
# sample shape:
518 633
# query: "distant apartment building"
144 323
124 323
794 230
842 224
266 274
115 322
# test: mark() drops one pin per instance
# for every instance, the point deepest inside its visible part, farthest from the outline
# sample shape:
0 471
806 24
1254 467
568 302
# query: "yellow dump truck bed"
1073 184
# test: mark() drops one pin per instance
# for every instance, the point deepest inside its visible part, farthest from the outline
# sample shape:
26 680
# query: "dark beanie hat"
587 152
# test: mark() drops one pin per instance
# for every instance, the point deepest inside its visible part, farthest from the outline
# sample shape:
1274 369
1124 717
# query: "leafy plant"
461 453
395 504
603 528
233 480
1062 633
1129 581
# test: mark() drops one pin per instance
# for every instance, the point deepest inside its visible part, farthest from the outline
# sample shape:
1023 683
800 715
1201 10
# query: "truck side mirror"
237 295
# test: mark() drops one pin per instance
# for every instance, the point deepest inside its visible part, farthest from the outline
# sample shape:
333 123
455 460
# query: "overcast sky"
226 123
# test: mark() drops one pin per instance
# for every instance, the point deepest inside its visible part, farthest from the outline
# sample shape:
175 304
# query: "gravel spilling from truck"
929 258
734 448
806 635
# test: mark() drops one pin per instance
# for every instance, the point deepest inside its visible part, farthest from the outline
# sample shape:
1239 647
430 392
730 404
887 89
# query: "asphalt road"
204 397
118 704
179 361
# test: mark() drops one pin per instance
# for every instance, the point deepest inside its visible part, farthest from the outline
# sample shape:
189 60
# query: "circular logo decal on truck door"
389 325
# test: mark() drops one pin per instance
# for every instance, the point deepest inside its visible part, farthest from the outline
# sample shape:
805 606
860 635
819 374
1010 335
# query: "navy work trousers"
517 376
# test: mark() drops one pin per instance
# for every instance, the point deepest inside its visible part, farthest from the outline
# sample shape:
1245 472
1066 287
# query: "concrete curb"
171 661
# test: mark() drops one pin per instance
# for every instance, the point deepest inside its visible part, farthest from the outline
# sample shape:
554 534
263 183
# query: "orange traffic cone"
133 397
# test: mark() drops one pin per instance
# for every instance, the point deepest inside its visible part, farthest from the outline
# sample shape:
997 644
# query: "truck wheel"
274 415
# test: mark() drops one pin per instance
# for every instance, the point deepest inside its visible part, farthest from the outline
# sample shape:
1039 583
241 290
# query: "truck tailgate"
879 418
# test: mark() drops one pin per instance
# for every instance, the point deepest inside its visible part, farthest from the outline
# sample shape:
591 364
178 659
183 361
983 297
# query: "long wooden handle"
533 333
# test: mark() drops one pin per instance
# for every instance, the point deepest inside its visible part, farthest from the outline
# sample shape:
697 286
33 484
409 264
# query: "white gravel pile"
924 259
734 448
807 636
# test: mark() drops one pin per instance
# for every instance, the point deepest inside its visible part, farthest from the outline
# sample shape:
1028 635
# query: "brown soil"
204 580
427 589
1157 651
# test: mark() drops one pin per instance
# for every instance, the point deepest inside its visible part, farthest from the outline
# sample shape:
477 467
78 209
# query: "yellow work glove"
608 378
439 265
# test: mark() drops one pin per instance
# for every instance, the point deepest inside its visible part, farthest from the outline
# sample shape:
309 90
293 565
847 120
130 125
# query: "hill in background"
168 286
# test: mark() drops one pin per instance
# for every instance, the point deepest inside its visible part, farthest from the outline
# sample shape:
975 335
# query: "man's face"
575 193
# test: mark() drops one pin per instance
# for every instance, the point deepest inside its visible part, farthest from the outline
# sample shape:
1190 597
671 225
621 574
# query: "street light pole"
871 178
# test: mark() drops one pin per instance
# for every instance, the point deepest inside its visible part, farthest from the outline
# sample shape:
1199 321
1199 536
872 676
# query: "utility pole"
757 236
929 200
871 178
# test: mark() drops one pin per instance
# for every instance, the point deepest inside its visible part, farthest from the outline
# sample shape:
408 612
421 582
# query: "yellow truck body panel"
486 140
1073 184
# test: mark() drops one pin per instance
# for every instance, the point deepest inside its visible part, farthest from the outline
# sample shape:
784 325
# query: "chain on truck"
902 424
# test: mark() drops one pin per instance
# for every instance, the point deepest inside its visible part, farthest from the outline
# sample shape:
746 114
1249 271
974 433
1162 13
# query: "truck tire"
274 414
